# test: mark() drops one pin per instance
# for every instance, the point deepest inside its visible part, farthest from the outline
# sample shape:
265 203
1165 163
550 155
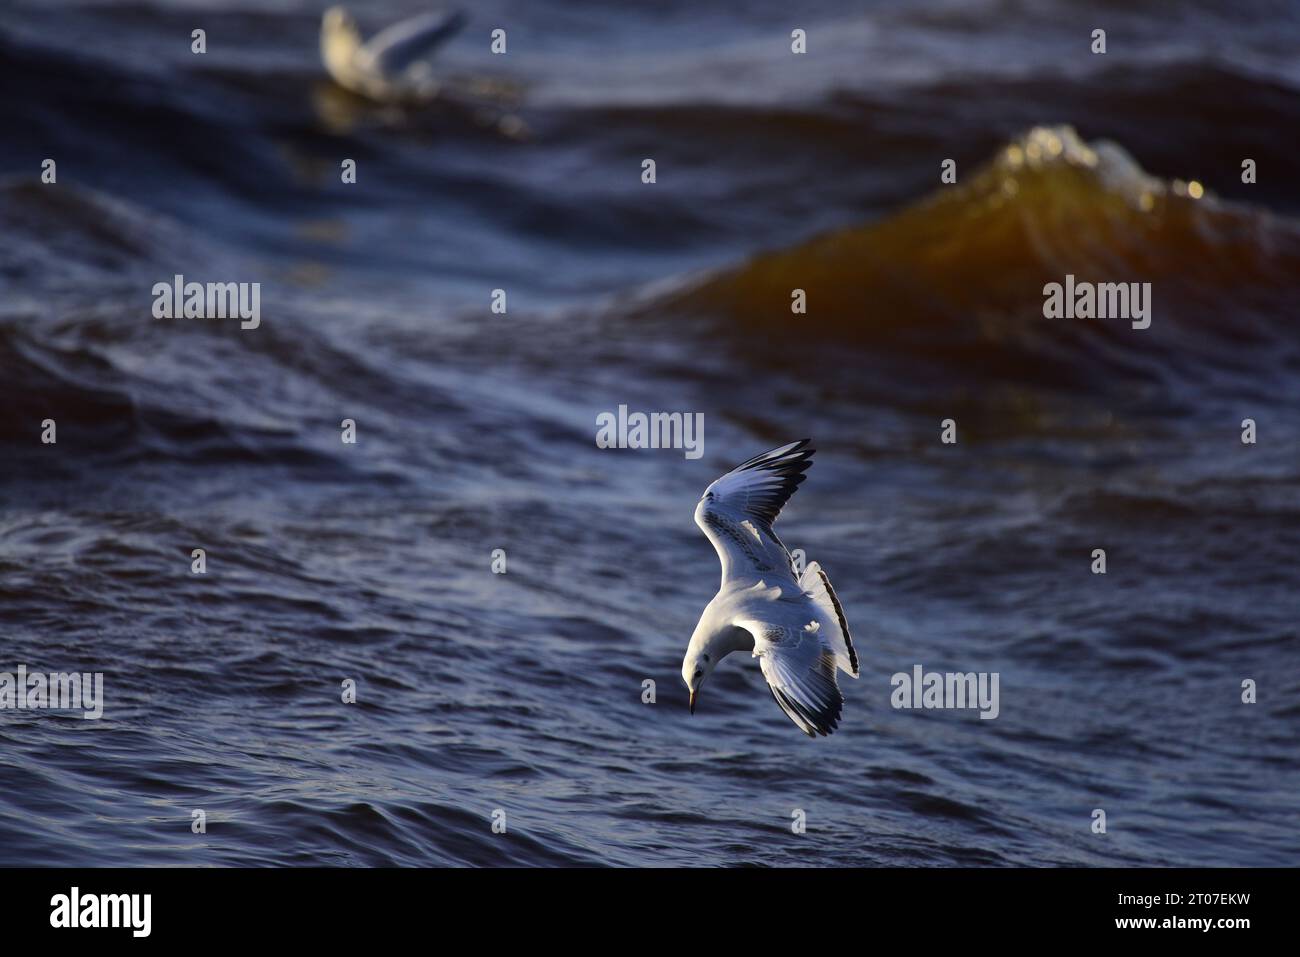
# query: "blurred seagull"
394 64
792 623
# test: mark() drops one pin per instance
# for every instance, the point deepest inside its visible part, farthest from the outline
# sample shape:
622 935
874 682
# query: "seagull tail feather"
816 584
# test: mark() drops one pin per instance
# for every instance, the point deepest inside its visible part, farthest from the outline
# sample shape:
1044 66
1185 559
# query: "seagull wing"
737 512
799 667
394 49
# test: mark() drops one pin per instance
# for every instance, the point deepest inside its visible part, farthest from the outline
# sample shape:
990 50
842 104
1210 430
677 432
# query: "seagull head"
340 36
695 668
337 18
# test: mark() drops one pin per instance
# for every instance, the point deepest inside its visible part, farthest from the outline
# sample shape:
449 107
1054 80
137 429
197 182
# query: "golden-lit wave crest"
975 255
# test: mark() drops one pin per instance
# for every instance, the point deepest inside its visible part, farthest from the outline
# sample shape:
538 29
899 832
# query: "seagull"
394 64
791 622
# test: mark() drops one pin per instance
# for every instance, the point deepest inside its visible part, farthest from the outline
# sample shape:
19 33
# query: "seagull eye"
706 657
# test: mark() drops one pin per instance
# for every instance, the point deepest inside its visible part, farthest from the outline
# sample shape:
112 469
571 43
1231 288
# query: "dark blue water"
522 691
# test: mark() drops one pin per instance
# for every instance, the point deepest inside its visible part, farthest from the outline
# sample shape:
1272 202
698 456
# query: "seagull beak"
692 702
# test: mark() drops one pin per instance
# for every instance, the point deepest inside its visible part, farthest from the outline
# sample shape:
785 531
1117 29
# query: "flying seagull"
392 65
792 623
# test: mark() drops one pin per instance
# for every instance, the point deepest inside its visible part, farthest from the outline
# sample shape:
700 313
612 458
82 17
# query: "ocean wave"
958 278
